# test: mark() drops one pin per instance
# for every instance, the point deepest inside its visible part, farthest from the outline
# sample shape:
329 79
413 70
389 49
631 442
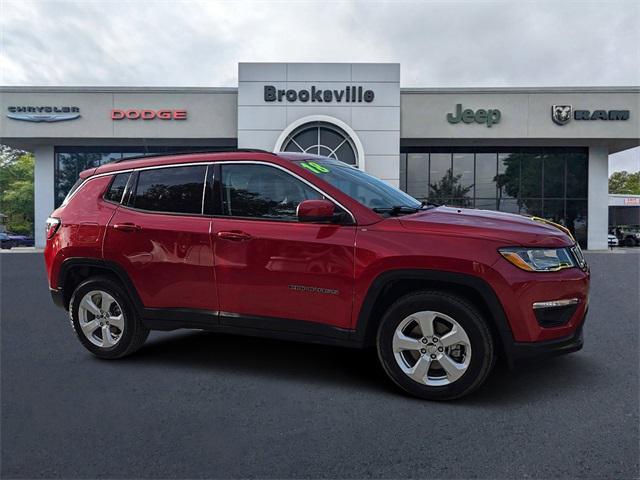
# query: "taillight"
53 224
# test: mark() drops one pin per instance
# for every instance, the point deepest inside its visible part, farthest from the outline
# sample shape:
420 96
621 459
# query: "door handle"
127 227
235 236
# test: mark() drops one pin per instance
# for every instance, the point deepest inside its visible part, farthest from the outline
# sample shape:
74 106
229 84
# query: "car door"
161 239
268 265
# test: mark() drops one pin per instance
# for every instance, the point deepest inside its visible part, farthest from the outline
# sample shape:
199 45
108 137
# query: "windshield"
361 186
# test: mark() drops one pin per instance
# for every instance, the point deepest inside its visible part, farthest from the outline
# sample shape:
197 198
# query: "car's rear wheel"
435 345
105 320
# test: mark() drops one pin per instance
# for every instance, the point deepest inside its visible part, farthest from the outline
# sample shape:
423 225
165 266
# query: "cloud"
628 160
199 43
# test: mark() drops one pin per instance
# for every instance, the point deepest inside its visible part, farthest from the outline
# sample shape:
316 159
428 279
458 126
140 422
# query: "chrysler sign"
43 113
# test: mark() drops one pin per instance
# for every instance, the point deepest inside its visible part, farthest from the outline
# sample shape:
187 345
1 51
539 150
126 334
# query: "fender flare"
72 262
362 332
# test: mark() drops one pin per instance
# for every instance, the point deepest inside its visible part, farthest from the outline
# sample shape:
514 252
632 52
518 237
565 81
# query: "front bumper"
519 353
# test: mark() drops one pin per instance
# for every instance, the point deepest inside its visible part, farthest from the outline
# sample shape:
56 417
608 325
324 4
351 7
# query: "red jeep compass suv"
308 248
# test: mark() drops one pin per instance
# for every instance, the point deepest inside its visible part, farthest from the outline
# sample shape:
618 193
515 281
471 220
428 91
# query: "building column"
43 190
598 202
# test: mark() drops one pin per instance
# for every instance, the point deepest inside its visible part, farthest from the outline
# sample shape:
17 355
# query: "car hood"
514 230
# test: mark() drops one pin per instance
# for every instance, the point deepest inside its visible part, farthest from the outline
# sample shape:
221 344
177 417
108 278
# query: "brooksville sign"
350 94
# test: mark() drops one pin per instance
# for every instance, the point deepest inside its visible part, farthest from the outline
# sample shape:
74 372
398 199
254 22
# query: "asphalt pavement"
202 405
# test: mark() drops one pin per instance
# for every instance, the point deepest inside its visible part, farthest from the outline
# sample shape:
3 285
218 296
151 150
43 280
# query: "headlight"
539 259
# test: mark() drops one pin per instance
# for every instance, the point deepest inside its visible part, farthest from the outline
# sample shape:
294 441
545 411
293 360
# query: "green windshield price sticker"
314 167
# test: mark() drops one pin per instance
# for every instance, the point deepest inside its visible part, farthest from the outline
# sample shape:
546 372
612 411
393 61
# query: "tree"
448 190
16 189
624 183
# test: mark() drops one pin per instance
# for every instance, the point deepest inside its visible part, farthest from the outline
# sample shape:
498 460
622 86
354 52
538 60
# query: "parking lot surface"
203 405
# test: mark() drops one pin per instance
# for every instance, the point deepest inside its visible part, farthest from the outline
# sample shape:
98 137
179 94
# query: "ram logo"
561 114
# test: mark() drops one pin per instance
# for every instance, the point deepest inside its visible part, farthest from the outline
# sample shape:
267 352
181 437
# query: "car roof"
195 157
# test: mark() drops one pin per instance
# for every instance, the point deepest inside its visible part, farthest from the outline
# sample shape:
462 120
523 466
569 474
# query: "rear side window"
172 190
117 187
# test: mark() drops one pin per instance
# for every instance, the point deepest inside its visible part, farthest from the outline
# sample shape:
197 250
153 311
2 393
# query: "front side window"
171 190
261 191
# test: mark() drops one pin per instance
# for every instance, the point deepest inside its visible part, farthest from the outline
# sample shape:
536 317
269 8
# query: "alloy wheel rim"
431 348
101 319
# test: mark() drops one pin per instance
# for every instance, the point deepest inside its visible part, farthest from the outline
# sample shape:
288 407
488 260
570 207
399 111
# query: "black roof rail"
188 152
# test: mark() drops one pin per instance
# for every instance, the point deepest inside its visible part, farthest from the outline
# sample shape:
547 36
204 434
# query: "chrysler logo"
43 113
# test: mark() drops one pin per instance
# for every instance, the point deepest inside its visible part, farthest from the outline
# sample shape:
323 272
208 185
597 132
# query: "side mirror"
316 211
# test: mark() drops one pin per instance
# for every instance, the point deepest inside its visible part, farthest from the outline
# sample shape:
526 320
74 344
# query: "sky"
470 43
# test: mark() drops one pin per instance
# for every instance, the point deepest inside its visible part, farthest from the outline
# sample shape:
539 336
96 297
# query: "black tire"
466 315
134 333
629 242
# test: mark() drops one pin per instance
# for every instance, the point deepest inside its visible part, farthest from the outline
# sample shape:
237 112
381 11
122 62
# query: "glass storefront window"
530 174
417 175
553 209
440 178
531 207
508 205
486 174
508 180
70 161
576 219
462 182
546 182
577 174
554 174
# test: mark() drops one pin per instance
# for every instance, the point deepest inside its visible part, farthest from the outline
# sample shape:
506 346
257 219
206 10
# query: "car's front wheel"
105 320
435 345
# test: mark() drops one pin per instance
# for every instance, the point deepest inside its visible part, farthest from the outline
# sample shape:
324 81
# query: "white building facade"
534 151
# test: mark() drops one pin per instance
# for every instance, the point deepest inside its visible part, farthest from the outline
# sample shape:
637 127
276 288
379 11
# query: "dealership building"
534 151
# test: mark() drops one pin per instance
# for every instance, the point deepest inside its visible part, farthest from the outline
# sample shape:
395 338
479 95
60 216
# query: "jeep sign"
482 116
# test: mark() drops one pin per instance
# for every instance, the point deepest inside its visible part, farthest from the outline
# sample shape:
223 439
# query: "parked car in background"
21 240
613 240
629 236
6 242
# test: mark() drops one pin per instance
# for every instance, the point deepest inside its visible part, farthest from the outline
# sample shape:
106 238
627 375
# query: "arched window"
322 138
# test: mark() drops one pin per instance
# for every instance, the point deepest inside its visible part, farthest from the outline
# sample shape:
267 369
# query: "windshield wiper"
397 209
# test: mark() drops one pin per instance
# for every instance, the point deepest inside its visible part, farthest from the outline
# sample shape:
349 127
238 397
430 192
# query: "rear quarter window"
75 187
117 187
